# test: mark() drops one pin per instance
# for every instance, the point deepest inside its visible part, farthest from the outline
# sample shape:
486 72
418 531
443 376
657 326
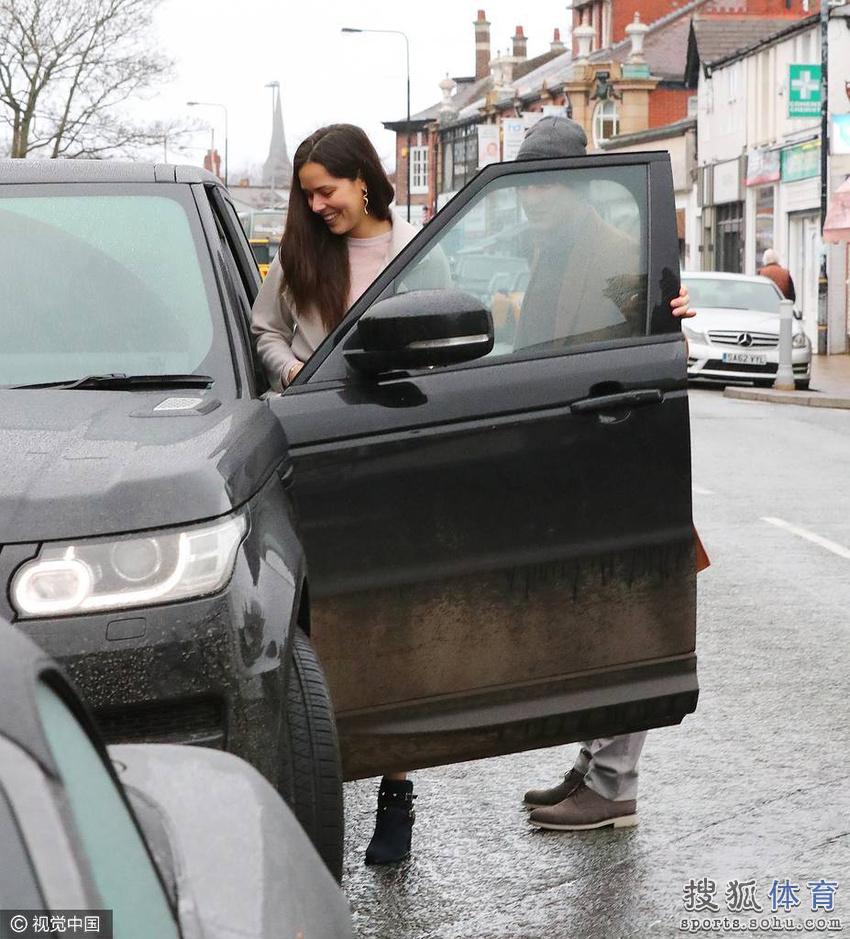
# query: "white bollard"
785 372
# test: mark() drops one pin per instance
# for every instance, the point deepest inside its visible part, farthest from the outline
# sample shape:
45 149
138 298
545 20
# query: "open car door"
500 550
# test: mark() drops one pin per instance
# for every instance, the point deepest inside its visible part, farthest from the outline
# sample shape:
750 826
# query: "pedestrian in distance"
340 234
600 790
780 275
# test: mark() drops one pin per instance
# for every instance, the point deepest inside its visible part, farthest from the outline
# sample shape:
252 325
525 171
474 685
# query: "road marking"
701 491
832 546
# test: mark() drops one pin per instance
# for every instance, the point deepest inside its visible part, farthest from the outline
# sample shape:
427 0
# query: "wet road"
751 786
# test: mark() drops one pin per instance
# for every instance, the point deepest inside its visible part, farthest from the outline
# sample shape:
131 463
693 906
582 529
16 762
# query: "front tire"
311 777
802 384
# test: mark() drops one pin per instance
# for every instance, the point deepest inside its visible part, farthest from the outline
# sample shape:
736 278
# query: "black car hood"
78 463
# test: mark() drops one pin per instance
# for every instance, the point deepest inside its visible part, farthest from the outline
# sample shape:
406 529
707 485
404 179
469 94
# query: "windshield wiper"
120 381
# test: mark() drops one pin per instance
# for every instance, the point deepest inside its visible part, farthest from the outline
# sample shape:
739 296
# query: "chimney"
520 44
482 46
557 45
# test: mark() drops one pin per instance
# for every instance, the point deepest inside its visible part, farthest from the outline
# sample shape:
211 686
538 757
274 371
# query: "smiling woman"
340 234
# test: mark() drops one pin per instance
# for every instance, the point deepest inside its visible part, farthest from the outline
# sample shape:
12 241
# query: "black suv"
488 544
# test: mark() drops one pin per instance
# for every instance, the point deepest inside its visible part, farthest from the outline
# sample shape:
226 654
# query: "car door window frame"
662 279
244 277
243 365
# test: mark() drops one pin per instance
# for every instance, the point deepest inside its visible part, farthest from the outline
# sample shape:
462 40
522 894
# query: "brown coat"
781 276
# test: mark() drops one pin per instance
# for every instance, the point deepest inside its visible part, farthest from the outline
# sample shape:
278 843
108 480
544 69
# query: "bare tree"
66 66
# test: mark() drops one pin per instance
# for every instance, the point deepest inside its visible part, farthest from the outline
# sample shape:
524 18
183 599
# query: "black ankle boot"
393 824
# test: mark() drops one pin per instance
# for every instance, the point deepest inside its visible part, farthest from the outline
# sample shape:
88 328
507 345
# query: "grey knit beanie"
553 137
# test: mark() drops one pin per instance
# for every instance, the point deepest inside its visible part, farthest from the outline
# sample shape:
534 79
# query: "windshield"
98 283
732 294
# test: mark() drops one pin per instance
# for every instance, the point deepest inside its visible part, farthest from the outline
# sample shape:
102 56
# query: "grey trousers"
610 765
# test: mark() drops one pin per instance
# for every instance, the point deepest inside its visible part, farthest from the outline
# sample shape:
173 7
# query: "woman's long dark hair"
314 259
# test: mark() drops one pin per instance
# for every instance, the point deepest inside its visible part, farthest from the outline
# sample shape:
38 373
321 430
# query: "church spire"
277 170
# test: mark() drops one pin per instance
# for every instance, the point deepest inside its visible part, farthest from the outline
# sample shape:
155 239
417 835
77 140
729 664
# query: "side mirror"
798 314
420 329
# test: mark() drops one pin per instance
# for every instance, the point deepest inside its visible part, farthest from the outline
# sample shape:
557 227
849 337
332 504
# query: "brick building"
625 74
609 19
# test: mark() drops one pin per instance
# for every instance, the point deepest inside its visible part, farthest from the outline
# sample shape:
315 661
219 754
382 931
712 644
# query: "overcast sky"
226 52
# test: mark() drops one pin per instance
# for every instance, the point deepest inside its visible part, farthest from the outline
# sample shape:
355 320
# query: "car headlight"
800 341
118 573
693 336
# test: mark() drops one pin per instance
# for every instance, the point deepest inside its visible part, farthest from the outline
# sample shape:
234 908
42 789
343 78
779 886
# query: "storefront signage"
727 182
513 132
840 139
801 162
762 167
488 144
804 90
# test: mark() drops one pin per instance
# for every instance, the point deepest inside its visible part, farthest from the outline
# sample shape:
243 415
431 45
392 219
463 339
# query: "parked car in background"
172 841
489 547
735 335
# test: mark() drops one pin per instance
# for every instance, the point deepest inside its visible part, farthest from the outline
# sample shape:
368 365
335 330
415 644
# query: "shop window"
729 243
764 221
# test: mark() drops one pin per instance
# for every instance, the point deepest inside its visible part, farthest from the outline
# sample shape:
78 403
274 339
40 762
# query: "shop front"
799 198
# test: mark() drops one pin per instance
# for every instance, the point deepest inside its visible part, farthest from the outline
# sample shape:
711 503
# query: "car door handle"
616 402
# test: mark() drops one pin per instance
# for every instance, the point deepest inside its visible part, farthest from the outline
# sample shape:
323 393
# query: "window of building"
606 122
764 221
729 241
460 156
732 83
418 171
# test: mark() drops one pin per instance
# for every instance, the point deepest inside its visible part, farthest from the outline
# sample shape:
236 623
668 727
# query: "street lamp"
396 32
275 87
214 104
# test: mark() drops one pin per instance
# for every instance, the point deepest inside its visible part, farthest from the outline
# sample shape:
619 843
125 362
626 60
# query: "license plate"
744 358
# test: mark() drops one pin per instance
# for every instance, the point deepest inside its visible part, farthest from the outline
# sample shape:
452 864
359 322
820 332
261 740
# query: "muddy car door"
498 531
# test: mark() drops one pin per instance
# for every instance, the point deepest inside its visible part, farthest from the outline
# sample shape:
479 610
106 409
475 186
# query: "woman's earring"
365 202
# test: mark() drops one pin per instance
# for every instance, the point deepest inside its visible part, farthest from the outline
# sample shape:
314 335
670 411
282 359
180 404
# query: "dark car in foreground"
147 840
490 547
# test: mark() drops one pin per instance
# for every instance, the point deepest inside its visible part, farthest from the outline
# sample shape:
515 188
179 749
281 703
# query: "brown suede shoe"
537 798
585 809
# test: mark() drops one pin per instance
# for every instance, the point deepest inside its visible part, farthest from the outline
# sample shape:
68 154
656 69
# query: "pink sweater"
286 335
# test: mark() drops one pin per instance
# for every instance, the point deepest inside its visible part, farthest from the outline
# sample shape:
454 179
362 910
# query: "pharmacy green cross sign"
804 91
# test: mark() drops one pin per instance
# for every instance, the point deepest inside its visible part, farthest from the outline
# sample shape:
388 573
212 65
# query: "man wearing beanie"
601 788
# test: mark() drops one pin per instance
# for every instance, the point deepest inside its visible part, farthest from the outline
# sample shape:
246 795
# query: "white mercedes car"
735 335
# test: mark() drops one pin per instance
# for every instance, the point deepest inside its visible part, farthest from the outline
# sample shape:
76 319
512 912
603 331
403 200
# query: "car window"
121 866
721 292
571 245
96 284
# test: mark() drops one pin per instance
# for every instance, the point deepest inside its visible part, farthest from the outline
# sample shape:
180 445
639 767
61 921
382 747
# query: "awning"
837 226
